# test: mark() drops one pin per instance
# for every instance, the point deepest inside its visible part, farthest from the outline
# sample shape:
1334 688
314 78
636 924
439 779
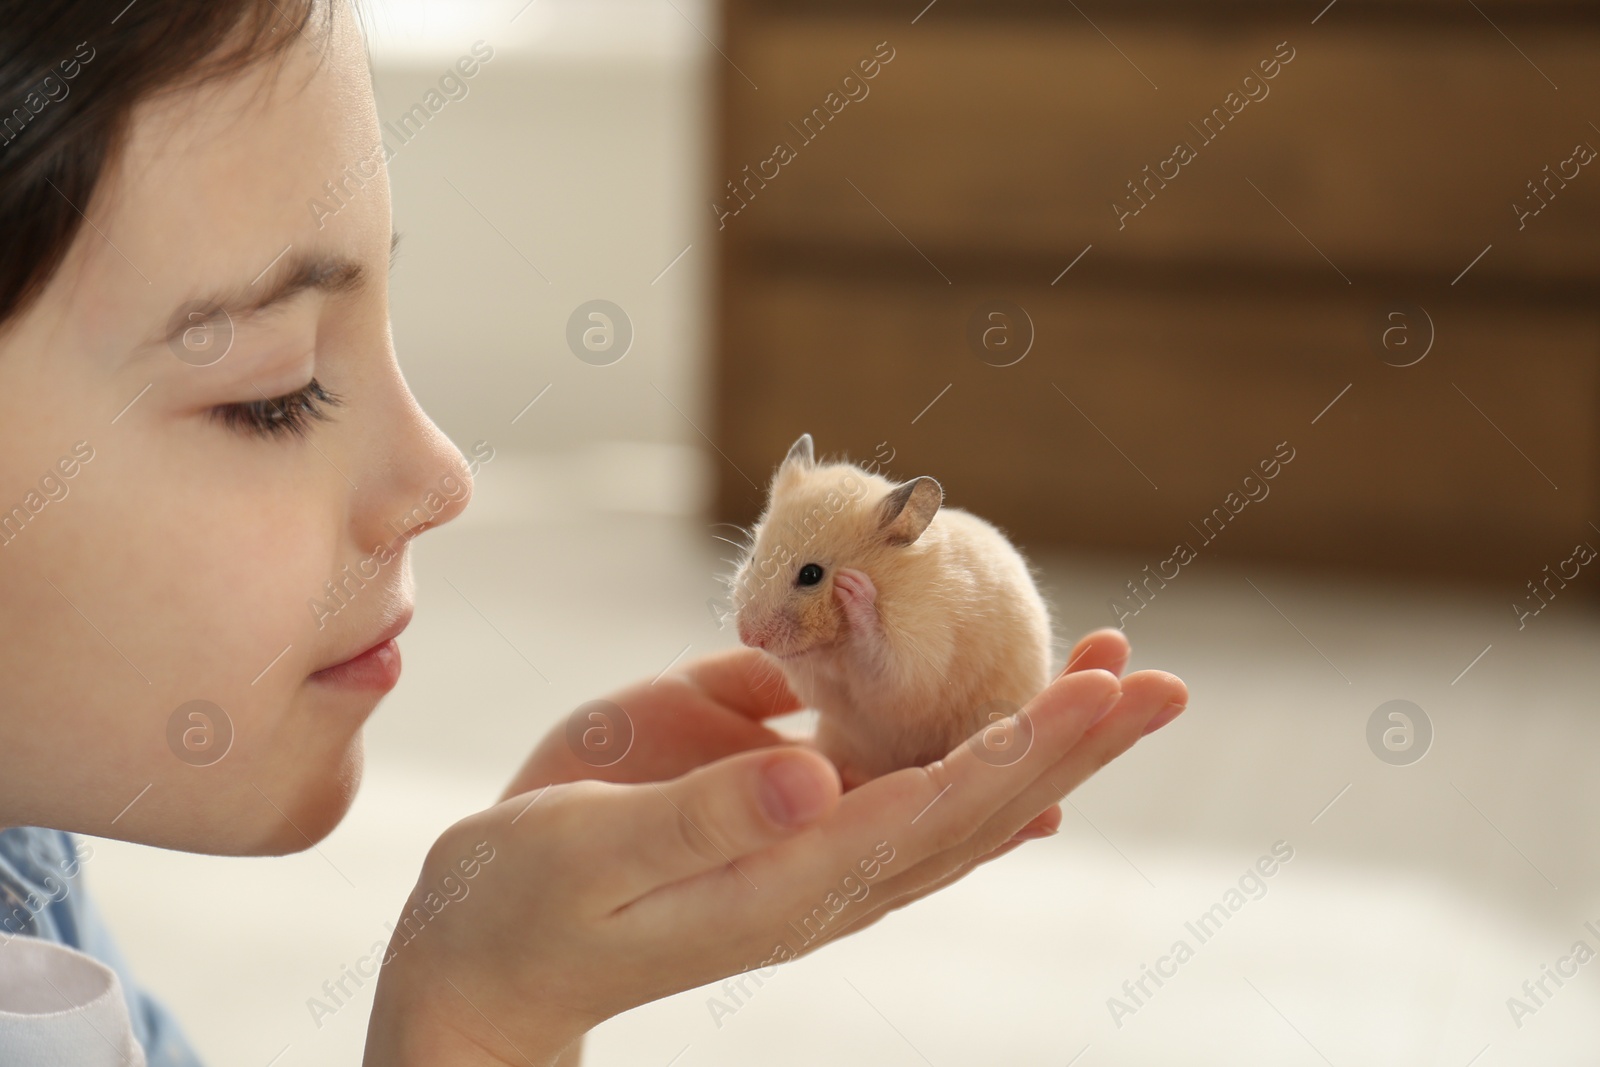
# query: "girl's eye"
810 574
276 416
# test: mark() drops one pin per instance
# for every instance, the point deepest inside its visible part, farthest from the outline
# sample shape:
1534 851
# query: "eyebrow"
321 272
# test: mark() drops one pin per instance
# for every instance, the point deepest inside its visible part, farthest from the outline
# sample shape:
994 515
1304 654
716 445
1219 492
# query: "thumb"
710 817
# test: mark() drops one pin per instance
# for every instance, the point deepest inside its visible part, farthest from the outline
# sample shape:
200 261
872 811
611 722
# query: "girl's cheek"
210 566
204 589
146 588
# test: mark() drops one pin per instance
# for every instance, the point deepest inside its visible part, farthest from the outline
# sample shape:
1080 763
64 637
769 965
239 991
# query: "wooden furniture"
1381 247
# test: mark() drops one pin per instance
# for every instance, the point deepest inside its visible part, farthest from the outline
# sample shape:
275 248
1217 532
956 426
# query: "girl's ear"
906 511
800 454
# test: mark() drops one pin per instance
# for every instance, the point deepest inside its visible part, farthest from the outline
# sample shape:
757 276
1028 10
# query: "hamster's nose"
751 636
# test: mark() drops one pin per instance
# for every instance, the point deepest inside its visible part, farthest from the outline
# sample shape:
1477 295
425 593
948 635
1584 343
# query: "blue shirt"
42 895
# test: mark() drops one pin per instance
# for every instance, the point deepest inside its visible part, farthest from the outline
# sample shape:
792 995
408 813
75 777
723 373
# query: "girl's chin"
282 795
300 811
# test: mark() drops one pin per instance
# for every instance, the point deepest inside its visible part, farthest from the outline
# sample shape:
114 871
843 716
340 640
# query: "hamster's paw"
858 597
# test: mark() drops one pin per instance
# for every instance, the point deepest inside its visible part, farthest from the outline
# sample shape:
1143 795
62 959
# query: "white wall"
578 149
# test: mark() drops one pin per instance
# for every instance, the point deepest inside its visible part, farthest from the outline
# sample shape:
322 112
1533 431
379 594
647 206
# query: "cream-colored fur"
963 635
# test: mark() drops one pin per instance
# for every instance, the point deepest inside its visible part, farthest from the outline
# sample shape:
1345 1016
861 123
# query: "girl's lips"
377 668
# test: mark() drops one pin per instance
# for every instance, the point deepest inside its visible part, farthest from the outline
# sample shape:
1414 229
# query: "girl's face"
166 534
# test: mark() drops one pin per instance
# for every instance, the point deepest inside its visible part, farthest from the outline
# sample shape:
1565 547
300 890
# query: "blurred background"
1269 332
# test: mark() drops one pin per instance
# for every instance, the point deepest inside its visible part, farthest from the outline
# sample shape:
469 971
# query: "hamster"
906 625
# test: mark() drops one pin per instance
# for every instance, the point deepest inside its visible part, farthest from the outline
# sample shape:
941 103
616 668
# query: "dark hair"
71 72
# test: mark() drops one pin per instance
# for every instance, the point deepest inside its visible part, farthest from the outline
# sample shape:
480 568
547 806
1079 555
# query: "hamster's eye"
810 574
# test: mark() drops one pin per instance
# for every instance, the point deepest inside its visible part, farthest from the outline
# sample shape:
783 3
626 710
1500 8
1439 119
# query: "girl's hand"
649 732
602 896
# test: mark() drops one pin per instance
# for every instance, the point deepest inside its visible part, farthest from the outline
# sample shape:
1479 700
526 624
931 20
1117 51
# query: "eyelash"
291 413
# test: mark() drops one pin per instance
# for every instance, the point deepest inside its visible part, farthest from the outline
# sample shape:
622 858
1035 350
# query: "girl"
202 424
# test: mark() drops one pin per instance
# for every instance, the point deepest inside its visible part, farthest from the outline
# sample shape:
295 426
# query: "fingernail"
1033 833
1164 716
1105 709
791 793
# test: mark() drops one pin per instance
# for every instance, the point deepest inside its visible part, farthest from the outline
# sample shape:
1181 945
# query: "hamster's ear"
906 511
800 453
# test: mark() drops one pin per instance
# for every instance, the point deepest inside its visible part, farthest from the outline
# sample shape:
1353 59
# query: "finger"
1043 824
867 916
1071 751
715 815
1106 650
923 811
1146 697
744 679
1150 700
